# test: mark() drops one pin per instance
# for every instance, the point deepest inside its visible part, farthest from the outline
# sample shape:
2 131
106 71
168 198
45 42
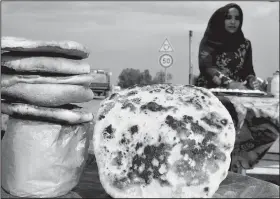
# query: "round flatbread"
67 48
83 80
70 114
163 141
49 95
15 64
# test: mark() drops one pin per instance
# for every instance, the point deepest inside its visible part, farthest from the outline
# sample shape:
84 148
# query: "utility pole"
190 59
165 75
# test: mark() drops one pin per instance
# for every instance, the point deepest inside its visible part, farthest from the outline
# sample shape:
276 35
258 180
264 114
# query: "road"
92 106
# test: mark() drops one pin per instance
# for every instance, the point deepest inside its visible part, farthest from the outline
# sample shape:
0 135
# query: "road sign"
166 47
166 60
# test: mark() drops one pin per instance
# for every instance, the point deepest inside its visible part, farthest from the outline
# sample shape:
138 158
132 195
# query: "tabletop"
234 186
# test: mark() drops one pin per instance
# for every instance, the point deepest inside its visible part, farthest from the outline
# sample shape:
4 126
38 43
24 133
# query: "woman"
225 55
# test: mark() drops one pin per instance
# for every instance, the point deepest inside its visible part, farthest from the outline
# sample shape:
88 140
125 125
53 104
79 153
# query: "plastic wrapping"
41 159
238 186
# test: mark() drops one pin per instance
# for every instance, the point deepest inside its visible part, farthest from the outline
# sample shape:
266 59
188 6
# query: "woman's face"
232 20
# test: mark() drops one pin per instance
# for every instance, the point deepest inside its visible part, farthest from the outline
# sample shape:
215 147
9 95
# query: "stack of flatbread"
40 82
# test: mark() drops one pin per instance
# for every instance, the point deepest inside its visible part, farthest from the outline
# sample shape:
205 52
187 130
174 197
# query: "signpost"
190 59
166 60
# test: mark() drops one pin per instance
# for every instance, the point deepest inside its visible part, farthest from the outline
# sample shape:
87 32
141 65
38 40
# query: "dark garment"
236 65
2 134
223 55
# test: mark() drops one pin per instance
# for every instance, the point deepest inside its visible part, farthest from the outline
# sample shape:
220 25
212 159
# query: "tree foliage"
160 77
130 77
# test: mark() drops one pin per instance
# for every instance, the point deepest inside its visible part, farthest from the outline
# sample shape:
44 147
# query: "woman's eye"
228 17
237 18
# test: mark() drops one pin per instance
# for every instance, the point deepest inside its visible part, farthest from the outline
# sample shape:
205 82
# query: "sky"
129 34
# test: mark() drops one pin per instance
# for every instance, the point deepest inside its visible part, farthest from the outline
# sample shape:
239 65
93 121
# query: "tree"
160 77
129 77
146 78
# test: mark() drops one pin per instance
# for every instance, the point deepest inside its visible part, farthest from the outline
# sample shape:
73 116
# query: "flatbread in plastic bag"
42 159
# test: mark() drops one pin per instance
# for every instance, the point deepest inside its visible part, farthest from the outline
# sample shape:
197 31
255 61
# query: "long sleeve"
209 70
248 70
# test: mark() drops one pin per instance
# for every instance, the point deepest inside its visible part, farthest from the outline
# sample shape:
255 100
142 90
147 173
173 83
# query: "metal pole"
165 75
190 59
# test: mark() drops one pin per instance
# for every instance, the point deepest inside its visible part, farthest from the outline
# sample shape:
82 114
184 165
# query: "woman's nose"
232 21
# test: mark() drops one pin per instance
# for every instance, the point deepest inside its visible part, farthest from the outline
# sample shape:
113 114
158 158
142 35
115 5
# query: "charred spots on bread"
190 143
227 146
195 102
129 105
133 129
159 139
199 152
204 93
150 162
162 86
219 155
130 93
120 183
164 182
211 120
224 122
196 128
208 148
157 90
206 189
101 117
175 124
118 159
193 174
136 100
209 136
113 96
182 166
187 118
138 146
106 149
155 99
124 140
169 90
108 132
152 106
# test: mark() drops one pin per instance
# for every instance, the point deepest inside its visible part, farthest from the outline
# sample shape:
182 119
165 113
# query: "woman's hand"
254 84
237 85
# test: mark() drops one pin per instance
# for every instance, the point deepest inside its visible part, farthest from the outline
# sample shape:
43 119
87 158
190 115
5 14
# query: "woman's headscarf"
216 35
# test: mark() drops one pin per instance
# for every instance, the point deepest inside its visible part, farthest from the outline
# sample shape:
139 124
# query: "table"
258 118
234 186
257 128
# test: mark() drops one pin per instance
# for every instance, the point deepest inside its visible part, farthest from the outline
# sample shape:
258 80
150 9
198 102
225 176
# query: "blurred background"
129 34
